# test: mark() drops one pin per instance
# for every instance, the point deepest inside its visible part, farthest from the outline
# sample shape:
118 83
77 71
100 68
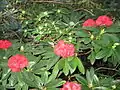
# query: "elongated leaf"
18 87
82 33
52 88
44 77
91 29
80 65
55 83
92 57
73 65
38 81
90 76
101 88
54 73
2 87
114 29
66 67
81 79
61 63
25 87
52 61
6 73
102 53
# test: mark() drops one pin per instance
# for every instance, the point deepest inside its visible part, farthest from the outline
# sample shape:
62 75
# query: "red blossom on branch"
104 21
5 44
89 23
71 86
17 62
64 49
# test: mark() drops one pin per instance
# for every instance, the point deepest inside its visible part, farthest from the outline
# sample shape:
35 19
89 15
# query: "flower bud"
114 87
92 37
21 48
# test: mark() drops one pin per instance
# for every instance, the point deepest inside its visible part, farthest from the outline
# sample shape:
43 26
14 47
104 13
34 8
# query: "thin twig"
107 69
85 52
79 9
51 1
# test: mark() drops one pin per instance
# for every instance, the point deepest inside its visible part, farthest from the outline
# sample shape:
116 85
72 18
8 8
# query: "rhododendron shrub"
17 62
5 44
71 86
64 49
100 37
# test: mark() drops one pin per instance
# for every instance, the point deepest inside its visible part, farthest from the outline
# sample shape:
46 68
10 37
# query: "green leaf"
110 52
28 75
52 61
61 63
66 67
113 29
25 87
19 77
12 79
54 73
81 79
50 88
97 47
18 87
90 76
44 77
2 87
102 53
37 68
110 37
86 40
92 57
91 29
38 81
55 83
82 33
6 73
29 79
48 54
80 65
101 88
96 79
73 65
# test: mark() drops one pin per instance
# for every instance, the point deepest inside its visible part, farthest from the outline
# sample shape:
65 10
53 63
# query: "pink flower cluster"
17 62
5 44
71 86
100 21
64 49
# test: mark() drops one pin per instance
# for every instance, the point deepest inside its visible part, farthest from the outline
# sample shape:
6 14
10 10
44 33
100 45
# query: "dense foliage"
59 45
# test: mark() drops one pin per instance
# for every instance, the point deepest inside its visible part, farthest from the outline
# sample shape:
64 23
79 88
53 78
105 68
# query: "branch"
50 1
106 69
85 53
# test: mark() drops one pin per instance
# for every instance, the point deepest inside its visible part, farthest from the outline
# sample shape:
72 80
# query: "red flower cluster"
104 21
89 23
64 49
100 21
17 62
71 86
5 44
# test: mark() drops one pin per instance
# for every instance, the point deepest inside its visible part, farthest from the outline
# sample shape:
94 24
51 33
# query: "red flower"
89 23
104 21
71 86
17 62
5 44
64 49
